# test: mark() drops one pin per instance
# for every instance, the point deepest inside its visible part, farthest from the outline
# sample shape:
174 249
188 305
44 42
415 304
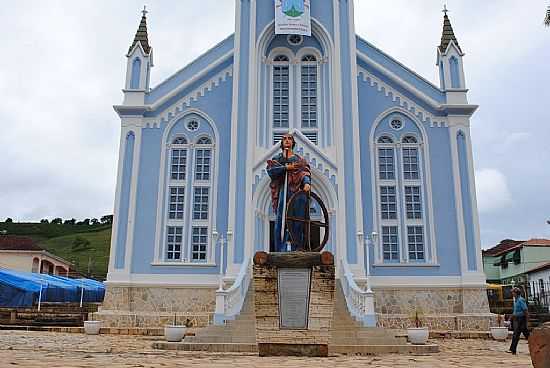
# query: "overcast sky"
62 68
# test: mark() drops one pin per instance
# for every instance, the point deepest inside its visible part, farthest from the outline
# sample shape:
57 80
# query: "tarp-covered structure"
24 289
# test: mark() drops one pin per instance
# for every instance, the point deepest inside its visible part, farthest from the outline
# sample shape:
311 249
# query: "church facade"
390 156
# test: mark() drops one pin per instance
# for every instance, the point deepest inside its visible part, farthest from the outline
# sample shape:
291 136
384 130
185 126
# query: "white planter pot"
499 333
174 333
418 335
92 327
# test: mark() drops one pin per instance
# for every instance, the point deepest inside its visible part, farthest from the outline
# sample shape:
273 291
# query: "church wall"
122 218
196 67
347 124
372 103
405 74
217 105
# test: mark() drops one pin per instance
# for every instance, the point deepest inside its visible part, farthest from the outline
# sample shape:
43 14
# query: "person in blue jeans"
519 319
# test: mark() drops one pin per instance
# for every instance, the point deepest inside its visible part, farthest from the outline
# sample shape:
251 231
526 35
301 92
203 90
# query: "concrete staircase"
241 330
348 336
347 331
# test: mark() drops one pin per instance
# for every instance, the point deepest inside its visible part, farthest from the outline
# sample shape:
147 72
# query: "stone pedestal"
293 321
539 347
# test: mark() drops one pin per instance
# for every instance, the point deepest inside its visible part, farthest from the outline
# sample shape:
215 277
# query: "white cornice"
194 95
191 80
404 102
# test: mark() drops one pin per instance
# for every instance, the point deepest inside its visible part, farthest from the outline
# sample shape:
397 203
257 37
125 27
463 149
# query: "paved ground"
46 349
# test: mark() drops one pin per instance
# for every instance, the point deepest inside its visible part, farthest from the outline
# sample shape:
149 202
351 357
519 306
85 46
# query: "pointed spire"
141 34
448 33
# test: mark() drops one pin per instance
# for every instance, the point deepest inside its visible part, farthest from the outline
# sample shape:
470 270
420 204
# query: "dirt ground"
47 349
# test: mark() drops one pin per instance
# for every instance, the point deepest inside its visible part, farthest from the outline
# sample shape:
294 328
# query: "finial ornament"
445 10
144 11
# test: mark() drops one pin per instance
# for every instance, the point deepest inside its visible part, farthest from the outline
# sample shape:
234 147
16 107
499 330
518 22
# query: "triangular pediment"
313 154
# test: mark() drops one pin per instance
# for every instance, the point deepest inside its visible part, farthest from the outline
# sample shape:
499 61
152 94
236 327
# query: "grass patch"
86 250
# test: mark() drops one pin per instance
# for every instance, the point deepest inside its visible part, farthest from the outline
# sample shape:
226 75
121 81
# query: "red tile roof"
508 245
503 247
12 242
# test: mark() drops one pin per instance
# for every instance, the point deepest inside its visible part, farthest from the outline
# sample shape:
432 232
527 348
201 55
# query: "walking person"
519 319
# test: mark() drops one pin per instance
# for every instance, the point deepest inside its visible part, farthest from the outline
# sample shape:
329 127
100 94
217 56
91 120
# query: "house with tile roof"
24 254
513 260
390 156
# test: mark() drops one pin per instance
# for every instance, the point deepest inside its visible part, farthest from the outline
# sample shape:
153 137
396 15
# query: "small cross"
445 10
144 11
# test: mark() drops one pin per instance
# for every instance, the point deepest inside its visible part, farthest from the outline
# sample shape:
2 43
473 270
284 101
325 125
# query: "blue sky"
63 68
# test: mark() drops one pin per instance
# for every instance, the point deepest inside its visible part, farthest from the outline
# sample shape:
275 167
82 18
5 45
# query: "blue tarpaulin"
22 289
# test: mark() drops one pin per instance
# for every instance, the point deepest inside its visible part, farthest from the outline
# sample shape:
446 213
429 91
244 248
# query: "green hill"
88 251
86 246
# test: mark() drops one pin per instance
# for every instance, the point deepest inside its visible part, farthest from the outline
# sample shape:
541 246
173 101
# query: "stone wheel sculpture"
307 222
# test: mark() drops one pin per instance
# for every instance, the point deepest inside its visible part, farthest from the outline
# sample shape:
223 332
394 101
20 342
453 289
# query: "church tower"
327 124
450 64
139 63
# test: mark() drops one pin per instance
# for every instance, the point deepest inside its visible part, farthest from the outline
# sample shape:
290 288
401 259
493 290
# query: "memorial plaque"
293 287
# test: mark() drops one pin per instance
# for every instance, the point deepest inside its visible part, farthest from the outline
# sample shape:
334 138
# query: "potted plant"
92 327
417 335
500 332
175 332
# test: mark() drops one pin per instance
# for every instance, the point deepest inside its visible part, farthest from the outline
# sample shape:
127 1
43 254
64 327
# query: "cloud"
492 190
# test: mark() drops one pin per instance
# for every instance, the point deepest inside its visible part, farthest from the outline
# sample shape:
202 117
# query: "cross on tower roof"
141 34
448 33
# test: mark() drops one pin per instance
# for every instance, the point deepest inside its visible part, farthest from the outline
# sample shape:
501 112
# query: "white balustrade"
229 302
360 302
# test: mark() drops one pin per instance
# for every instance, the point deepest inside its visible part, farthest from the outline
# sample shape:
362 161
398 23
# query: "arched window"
400 197
309 98
281 92
136 73
409 139
295 90
189 193
455 76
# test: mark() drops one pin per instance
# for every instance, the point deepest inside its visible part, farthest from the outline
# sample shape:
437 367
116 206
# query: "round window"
396 124
192 125
295 39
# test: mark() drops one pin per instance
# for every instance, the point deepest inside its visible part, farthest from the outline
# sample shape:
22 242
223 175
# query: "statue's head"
287 141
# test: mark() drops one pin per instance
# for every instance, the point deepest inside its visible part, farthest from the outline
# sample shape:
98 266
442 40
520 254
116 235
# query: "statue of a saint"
289 174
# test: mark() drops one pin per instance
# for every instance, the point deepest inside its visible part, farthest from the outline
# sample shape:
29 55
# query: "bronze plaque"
293 287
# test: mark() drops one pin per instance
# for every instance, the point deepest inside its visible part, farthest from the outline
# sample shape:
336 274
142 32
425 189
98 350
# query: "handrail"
229 302
360 302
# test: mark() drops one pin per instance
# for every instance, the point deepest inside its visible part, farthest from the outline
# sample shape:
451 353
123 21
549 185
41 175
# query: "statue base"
294 301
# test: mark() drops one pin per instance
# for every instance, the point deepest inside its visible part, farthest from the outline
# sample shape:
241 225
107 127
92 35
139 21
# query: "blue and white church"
390 156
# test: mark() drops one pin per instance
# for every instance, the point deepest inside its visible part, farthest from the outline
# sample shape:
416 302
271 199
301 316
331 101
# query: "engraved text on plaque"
293 286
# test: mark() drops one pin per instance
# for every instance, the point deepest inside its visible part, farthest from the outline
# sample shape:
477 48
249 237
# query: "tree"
107 219
44 221
94 221
70 222
9 220
547 18
86 221
57 221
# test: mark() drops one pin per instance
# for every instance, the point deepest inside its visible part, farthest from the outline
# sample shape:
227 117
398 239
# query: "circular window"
192 125
295 39
396 124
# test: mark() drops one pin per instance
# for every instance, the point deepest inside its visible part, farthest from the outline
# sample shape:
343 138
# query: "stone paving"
51 350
